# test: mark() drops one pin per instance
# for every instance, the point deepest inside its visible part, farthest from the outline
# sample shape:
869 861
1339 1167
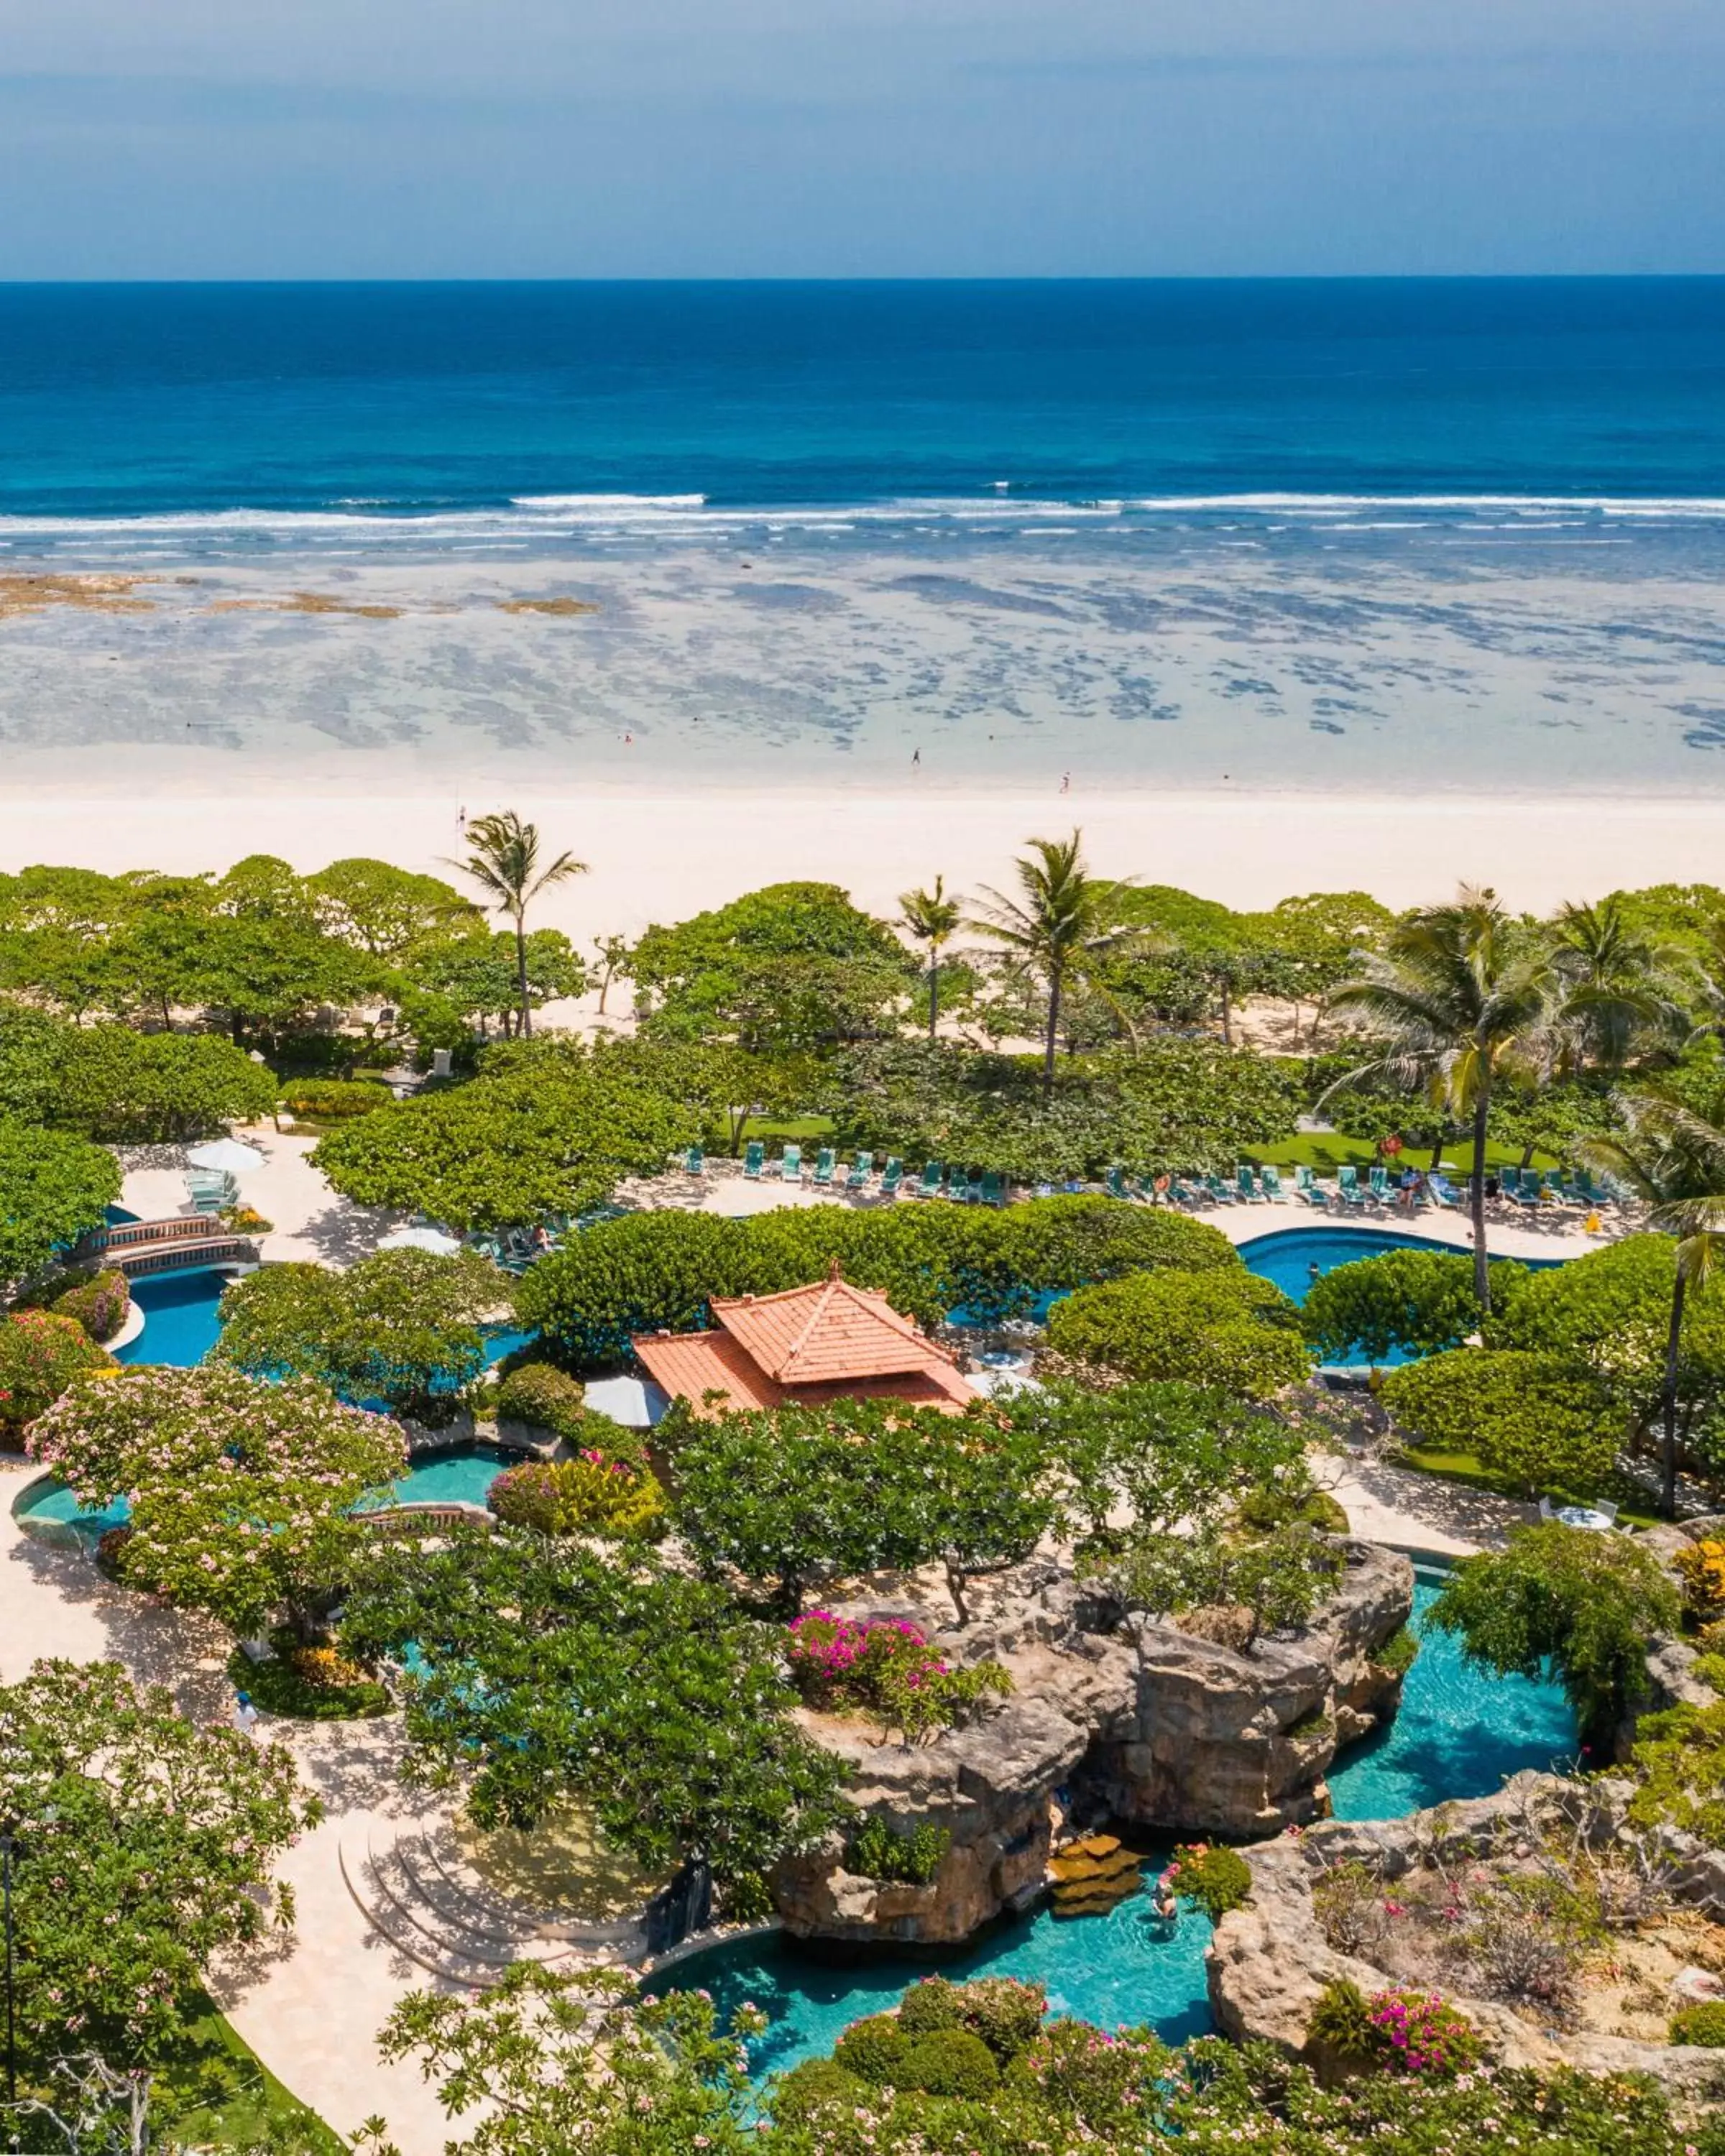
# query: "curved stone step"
428 1928
439 1846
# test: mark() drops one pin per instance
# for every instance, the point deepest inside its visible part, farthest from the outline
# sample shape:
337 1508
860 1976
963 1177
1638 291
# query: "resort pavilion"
801 1348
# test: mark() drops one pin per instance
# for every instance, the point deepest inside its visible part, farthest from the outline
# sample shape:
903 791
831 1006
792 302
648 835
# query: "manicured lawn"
1325 1151
217 2094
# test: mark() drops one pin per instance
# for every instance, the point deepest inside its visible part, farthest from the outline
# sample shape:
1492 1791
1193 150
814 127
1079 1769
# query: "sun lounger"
1218 1190
754 1160
1307 1188
892 1175
1444 1193
994 1189
1271 1179
694 1161
1348 1186
790 1166
1114 1184
1245 1186
930 1186
1379 1185
856 1176
825 1162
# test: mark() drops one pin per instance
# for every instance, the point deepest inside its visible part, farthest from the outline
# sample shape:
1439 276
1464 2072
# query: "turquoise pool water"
1459 1732
181 1318
466 1474
1288 1256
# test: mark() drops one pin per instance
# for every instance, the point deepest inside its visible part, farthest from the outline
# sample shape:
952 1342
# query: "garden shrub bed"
291 1684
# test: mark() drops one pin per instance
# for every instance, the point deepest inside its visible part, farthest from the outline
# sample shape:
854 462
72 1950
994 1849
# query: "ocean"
1372 534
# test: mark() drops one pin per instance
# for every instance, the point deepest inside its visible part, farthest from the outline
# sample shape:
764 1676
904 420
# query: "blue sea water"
137 400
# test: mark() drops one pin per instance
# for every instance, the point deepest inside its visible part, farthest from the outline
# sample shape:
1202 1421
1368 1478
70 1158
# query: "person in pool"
1163 1907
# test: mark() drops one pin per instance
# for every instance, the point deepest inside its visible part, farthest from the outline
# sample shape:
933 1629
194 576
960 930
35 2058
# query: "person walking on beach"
1065 781
916 758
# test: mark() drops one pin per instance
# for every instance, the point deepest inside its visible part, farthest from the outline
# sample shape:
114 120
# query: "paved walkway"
310 2005
309 1219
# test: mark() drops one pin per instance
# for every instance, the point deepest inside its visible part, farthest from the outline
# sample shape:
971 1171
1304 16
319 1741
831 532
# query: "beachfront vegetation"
504 860
542 1669
109 1082
401 1327
241 1491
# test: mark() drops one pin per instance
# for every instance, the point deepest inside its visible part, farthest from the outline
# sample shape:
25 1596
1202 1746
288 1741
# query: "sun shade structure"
801 1347
422 1239
225 1157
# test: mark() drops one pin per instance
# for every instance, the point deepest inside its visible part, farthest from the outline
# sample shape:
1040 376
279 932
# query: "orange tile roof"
807 1347
826 1333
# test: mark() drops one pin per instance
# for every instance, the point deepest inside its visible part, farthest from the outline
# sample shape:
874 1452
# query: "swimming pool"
1288 1255
181 1318
1459 1732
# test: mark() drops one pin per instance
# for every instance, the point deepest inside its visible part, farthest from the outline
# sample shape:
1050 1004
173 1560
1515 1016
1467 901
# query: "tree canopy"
543 1670
1228 1330
143 1847
1410 1301
401 1327
106 1081
530 1141
241 1491
54 1187
1544 1423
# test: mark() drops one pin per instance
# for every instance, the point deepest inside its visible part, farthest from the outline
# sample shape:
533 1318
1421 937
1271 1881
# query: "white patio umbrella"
422 1239
227 1156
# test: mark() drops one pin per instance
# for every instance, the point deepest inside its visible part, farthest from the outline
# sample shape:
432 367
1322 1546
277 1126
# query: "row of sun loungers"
858 1178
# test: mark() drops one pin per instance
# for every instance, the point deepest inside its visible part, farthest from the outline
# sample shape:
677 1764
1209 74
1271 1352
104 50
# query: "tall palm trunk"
1668 1406
1053 1035
934 986
521 974
1476 1199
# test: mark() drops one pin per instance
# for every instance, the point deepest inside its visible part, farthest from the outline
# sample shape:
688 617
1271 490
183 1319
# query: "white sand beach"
658 851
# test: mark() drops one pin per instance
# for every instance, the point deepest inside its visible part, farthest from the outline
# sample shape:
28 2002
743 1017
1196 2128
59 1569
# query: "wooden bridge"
137 1247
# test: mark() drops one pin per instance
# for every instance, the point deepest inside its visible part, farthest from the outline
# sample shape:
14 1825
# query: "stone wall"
1167 1731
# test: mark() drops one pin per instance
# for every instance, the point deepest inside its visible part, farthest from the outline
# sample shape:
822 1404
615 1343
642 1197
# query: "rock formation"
1132 1717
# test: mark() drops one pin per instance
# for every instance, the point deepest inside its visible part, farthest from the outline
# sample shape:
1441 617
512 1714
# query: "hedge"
1231 1331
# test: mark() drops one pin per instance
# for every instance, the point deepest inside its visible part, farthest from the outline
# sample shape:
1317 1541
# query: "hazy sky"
200 138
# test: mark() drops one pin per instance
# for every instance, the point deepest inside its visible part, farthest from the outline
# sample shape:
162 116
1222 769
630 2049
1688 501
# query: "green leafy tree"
524 1145
1461 999
143 1847
109 1083
930 917
402 1326
242 1492
386 911
779 972
1406 1301
1164 1453
479 979
41 1352
543 1670
1060 919
613 964
1228 1330
800 1495
1590 1604
57 1188
1547 1424
547 2062
504 862
1673 1158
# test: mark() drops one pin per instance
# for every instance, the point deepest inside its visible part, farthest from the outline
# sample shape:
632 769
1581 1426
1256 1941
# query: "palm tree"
505 864
930 917
1673 1158
1460 997
1612 986
1062 915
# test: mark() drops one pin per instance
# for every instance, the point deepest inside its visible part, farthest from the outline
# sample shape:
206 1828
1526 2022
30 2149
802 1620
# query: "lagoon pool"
1459 1732
181 1318
1288 1255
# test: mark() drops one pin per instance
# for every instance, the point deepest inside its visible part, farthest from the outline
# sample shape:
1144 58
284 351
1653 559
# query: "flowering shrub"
41 1352
886 1667
1702 1569
1214 1880
1403 2032
1005 2013
99 1304
589 1495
